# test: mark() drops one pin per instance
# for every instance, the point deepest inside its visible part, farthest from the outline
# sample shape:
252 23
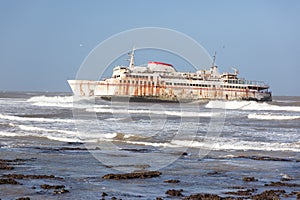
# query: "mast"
131 63
214 59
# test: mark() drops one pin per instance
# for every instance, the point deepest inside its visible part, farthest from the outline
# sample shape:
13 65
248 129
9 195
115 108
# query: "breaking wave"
62 101
57 137
61 135
272 117
8 134
55 101
17 118
220 145
156 112
34 128
240 145
250 105
209 144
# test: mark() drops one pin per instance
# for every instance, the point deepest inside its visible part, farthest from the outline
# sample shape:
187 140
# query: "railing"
247 82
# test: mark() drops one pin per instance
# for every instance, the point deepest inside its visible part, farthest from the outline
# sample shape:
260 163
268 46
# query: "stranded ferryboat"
160 81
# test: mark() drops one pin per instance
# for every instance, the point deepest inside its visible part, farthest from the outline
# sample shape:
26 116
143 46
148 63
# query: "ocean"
204 147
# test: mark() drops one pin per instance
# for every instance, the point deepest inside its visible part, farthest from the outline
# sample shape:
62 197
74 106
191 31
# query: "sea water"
207 145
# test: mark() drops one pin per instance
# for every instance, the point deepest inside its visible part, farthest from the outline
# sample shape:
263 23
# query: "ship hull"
114 90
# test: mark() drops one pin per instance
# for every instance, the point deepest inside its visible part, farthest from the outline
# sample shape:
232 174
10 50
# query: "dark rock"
6 167
202 196
47 149
17 160
237 187
61 191
137 150
298 195
146 174
281 184
9 181
22 176
249 179
104 194
212 173
172 181
266 158
286 179
23 198
73 149
75 143
48 187
7 164
268 195
174 193
159 198
294 193
113 198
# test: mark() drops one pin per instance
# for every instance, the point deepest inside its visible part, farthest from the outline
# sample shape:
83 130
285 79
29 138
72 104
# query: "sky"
44 42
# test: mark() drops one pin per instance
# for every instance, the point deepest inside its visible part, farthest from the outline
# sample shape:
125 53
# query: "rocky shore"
251 187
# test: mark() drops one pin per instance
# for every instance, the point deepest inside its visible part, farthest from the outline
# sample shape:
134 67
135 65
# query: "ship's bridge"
119 70
161 67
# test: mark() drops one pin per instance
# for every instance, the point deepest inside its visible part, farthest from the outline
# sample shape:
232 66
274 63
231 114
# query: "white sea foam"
17 118
34 128
146 111
239 145
65 102
272 117
59 101
249 105
115 119
58 135
50 136
222 145
8 134
54 99
63 139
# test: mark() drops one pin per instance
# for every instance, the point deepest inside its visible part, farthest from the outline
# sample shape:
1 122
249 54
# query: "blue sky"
43 43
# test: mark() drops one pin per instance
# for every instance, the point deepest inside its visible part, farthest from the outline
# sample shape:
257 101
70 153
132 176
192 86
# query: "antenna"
131 63
214 59
236 72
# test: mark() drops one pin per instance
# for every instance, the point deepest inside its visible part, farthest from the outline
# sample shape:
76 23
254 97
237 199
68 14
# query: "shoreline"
46 171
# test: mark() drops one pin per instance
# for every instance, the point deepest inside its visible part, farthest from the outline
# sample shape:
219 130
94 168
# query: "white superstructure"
160 81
